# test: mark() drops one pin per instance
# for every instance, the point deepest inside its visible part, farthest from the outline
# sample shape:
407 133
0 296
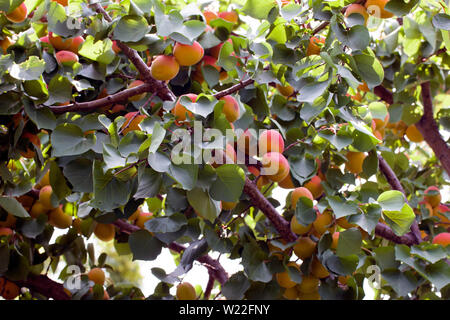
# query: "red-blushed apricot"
313 47
45 197
76 43
143 218
59 219
66 58
5 44
164 68
357 8
300 192
188 55
318 270
186 291
136 83
19 14
180 112
355 162
276 166
9 222
5 232
132 122
304 247
209 16
314 186
286 91
376 8
414 134
230 16
105 232
59 43
433 198
442 239
283 278
230 108
298 228
10 290
97 276
309 284
270 141
37 209
45 39
324 222
287 183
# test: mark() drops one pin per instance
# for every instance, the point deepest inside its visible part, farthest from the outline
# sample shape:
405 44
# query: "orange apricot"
164 68
188 55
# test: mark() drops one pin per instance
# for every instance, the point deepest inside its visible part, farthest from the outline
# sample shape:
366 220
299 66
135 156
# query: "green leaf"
31 69
312 91
400 7
185 174
149 183
229 183
97 50
258 9
236 286
131 28
68 140
342 208
399 215
369 68
165 224
305 212
14 207
402 282
442 21
357 37
340 140
429 252
349 243
58 181
203 204
254 265
203 106
144 246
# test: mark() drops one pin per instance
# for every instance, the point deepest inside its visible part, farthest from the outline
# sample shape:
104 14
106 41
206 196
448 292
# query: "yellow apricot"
105 232
304 247
355 162
299 229
309 284
59 219
97 276
45 197
164 68
185 291
414 134
283 278
188 55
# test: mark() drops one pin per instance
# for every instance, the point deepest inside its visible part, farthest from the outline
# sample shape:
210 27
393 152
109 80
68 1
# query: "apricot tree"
340 105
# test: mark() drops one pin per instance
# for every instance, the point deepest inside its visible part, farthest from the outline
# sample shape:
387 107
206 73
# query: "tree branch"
209 286
234 88
259 201
214 267
384 231
44 285
430 130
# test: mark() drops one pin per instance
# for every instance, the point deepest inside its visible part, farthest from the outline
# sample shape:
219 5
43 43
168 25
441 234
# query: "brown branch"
209 286
259 201
91 106
384 94
214 267
392 179
430 130
384 231
234 88
45 286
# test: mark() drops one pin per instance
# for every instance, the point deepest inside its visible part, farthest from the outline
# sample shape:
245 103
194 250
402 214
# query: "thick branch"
430 129
384 94
392 179
209 286
214 266
259 201
45 286
384 231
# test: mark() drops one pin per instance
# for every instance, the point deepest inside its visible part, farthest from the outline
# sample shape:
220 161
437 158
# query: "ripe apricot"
164 68
10 290
309 284
37 209
59 219
439 212
132 122
59 43
359 9
315 187
76 43
209 16
376 8
115 47
230 108
442 239
5 44
105 232
304 247
188 55
414 134
226 156
433 199
290 293
230 16
248 143
19 14
300 192
287 183
97 276
45 197
335 237
283 278
185 291
62 2
313 47
275 165
343 223
318 270
270 141
5 232
66 58
355 162
324 222
143 218
180 112
136 83
286 91
298 228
